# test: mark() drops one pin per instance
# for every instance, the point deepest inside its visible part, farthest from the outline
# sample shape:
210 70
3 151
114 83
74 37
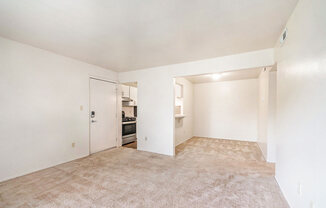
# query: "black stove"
126 119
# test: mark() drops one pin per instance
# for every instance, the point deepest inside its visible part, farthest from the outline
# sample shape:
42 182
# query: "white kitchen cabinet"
133 94
178 109
125 91
178 90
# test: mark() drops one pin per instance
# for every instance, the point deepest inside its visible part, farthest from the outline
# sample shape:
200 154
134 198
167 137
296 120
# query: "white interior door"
103 112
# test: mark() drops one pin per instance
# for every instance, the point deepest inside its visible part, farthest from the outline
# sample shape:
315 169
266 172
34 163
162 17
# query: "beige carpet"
204 173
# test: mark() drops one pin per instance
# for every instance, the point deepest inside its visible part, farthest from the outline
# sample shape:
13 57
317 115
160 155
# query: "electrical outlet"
146 138
73 144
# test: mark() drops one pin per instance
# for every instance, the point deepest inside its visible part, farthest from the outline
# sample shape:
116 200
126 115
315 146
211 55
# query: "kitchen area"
129 115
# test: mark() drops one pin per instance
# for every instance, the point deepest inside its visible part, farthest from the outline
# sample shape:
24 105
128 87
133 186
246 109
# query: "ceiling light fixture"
216 76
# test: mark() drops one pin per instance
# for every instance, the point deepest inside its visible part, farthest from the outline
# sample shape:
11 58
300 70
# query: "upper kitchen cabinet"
179 90
125 91
133 94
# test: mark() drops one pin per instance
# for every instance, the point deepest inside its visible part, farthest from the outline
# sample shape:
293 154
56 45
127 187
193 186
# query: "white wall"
226 110
271 127
263 110
156 94
40 97
301 104
267 114
184 126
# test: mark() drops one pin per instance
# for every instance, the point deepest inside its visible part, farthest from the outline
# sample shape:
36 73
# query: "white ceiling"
226 76
125 35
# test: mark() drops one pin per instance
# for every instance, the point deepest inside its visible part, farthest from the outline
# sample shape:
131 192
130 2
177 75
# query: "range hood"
127 102
126 99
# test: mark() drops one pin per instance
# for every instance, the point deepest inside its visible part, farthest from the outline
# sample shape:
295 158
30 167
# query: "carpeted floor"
204 173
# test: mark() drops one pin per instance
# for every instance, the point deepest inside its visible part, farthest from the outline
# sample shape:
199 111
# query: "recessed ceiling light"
216 76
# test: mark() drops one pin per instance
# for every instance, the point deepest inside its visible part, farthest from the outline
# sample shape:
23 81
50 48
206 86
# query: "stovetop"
125 119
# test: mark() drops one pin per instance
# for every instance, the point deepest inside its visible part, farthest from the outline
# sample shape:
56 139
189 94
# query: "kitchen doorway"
129 101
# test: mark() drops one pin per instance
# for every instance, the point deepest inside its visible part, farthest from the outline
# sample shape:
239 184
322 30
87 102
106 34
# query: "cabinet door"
125 91
133 94
178 90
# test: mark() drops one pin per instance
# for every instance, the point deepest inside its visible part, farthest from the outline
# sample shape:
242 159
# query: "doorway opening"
128 124
234 105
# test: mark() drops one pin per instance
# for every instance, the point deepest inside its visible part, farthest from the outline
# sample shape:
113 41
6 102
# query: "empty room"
123 104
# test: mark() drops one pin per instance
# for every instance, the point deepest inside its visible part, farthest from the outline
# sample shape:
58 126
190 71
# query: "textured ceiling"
127 35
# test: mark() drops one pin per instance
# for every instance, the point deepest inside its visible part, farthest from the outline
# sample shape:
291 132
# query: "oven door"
128 128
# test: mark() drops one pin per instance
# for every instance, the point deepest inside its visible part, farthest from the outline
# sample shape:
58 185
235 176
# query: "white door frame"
118 118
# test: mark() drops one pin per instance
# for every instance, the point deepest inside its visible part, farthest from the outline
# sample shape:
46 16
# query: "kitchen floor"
204 173
132 145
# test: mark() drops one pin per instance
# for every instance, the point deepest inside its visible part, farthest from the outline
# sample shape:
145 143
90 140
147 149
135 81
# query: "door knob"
93 121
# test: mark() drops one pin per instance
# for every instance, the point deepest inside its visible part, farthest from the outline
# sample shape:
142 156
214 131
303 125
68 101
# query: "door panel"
103 102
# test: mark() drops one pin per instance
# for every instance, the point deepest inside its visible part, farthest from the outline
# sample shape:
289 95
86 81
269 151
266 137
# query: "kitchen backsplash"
129 111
